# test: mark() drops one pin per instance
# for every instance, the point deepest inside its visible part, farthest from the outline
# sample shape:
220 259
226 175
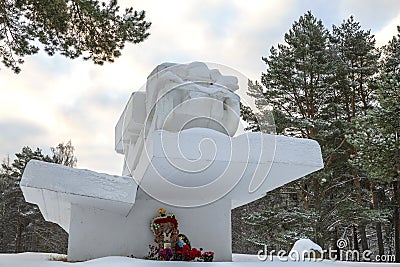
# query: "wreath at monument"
170 244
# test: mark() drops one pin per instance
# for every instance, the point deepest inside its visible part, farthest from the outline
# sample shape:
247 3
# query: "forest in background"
22 226
337 88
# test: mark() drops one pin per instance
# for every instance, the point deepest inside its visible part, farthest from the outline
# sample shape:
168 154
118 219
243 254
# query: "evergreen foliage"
376 136
72 28
248 116
322 85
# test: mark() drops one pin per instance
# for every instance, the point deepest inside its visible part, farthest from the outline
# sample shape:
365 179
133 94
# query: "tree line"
336 87
22 226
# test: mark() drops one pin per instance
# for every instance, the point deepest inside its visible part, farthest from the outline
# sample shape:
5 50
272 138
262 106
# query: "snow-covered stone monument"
182 155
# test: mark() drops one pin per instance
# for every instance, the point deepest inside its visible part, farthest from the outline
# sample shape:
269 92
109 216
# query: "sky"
55 99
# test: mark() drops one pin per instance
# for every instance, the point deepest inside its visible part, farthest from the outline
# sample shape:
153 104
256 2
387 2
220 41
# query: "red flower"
168 219
195 253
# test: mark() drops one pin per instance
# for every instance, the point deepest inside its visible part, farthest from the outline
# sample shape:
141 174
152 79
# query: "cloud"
18 132
371 14
386 33
219 19
18 129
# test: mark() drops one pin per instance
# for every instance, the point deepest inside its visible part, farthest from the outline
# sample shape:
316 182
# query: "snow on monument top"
179 97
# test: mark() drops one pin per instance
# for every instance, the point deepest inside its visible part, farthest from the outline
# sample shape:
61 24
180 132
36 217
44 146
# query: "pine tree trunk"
363 237
336 247
378 226
396 219
18 239
361 227
358 186
355 238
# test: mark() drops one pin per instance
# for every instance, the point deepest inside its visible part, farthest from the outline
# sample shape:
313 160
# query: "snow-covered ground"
48 260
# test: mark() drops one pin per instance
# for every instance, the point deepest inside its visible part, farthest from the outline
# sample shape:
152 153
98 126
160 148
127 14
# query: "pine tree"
297 84
389 102
296 76
355 48
70 27
391 59
376 136
17 212
378 142
5 184
317 83
247 114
